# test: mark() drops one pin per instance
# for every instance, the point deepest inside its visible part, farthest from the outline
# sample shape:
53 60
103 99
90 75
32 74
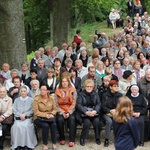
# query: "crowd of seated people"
71 86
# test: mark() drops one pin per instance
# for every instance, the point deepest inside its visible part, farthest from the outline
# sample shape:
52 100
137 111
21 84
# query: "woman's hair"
64 76
88 81
24 63
99 63
78 31
24 87
17 77
138 56
73 69
135 62
50 69
113 82
124 110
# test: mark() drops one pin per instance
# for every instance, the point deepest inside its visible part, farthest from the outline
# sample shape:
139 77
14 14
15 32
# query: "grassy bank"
87 33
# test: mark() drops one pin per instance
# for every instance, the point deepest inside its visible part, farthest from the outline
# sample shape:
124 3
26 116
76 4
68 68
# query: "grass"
87 33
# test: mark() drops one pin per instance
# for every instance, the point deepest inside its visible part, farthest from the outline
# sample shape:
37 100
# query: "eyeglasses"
89 86
117 63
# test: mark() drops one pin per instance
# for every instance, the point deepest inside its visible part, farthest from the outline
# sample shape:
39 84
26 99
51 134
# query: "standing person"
77 38
125 127
22 131
5 111
45 106
109 103
130 5
88 108
66 100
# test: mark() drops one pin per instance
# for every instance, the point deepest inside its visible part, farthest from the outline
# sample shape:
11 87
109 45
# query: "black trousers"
71 124
5 129
87 121
45 130
140 121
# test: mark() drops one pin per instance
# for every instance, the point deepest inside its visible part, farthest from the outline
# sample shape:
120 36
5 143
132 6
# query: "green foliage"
37 23
30 56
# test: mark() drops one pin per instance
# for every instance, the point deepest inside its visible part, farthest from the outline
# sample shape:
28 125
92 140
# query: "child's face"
106 83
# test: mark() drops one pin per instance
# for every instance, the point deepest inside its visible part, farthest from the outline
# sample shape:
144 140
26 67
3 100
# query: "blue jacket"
126 135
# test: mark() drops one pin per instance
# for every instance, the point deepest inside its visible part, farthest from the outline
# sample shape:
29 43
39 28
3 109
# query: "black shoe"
141 144
82 142
18 148
106 143
98 142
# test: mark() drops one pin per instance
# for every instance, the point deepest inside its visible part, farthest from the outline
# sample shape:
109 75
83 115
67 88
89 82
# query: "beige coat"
41 109
6 107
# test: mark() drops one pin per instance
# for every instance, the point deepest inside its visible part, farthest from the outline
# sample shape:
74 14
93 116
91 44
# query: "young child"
126 130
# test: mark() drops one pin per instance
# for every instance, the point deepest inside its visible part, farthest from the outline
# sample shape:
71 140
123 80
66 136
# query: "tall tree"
60 14
12 35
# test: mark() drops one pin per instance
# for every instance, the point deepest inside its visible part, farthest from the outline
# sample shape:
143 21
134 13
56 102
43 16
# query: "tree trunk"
12 33
61 10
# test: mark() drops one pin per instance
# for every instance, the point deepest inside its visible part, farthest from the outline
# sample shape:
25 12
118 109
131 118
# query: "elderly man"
95 51
81 70
144 84
91 75
126 64
62 52
43 56
41 71
5 72
50 61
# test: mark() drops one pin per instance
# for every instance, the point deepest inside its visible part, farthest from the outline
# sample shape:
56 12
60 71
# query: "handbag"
88 109
50 120
8 120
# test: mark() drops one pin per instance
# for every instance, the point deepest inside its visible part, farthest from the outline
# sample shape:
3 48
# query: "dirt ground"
89 145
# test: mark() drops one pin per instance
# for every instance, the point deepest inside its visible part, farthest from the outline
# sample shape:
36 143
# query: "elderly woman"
139 108
44 116
22 131
51 81
88 108
34 88
66 100
109 103
5 112
14 91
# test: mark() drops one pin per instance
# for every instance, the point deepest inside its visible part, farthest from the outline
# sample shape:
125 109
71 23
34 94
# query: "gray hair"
35 81
68 60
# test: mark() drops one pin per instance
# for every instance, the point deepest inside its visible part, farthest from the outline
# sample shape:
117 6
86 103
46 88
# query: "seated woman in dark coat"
109 103
51 81
88 106
139 108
